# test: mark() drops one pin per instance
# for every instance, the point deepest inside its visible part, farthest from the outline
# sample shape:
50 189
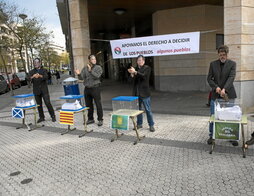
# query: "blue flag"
17 113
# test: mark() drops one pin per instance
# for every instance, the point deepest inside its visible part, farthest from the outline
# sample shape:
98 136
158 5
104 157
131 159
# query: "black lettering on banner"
158 42
132 44
142 52
181 40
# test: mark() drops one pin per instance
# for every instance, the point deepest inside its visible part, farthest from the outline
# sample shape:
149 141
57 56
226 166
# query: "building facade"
89 25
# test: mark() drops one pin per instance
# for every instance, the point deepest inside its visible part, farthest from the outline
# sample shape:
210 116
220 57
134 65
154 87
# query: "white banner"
171 44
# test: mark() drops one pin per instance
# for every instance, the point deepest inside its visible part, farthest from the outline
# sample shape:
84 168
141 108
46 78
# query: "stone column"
239 36
79 32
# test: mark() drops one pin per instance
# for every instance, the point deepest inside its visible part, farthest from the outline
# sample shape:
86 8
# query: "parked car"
22 77
14 79
3 85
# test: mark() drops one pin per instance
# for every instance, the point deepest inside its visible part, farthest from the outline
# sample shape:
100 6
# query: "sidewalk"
174 160
191 103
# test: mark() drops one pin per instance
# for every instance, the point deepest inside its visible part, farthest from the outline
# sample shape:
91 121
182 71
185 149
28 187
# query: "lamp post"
23 17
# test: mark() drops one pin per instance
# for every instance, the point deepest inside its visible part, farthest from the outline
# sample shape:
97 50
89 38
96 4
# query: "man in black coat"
39 77
141 89
220 78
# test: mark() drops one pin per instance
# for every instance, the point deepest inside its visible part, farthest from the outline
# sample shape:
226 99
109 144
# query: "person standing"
39 78
49 78
220 78
141 76
91 75
57 74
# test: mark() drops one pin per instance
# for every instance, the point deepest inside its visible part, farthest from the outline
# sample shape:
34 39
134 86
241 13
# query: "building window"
219 40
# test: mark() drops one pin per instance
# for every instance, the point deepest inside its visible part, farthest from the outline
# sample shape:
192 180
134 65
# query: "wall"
187 72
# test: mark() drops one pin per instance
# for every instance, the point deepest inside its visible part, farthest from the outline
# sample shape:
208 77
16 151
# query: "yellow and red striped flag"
66 118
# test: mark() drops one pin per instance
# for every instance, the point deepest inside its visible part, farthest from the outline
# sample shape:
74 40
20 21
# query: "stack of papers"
24 102
72 106
228 113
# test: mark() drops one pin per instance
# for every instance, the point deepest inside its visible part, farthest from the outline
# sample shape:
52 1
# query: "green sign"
120 122
223 130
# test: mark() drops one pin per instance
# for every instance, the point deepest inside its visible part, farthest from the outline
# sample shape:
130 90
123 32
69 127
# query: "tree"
11 20
30 35
4 47
65 58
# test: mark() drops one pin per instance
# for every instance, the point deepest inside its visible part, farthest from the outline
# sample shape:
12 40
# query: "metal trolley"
25 102
125 108
228 124
67 115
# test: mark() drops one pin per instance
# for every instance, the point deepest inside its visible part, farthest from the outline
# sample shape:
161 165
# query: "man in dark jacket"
39 77
220 78
141 89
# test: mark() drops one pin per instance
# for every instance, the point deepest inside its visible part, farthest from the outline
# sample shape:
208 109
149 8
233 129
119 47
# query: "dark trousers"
46 100
90 95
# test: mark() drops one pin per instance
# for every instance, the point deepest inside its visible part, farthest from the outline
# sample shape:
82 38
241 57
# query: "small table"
132 114
244 121
83 110
28 125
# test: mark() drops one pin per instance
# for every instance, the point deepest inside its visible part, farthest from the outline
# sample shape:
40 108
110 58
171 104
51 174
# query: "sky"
47 10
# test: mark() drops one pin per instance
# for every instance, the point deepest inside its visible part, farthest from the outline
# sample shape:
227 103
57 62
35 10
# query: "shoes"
138 127
90 122
251 141
234 143
54 119
210 141
40 120
152 129
100 123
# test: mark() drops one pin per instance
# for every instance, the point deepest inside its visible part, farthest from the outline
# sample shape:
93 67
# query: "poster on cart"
17 113
66 118
226 130
120 122
158 45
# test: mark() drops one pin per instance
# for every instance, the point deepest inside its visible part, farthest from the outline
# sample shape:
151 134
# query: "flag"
120 122
17 113
66 118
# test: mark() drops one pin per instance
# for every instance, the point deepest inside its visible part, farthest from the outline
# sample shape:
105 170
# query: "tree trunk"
32 54
13 60
22 59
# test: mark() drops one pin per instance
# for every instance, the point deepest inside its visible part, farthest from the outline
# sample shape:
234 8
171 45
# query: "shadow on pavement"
147 140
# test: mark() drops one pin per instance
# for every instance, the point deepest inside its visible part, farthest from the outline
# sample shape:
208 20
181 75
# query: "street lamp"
23 17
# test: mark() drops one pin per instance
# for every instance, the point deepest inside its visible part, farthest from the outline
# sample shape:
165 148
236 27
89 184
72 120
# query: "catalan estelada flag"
66 118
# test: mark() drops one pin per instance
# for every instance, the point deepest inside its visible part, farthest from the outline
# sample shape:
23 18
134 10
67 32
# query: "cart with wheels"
228 123
73 106
25 102
125 108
